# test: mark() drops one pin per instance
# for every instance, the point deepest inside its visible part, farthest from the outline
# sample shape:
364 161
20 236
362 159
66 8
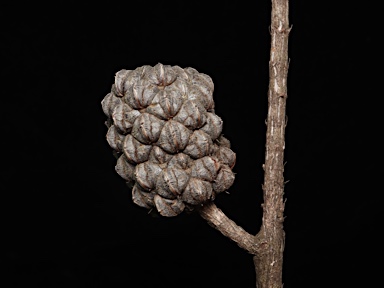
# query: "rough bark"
269 263
218 220
268 245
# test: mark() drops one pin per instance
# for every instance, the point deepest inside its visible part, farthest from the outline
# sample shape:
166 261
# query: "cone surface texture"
167 138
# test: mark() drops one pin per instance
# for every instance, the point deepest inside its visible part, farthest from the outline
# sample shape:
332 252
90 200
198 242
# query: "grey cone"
168 140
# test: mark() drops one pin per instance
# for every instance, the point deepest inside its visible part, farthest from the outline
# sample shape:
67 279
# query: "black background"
69 220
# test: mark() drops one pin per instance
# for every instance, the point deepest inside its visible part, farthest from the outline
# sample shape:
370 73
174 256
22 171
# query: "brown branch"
268 245
218 220
269 263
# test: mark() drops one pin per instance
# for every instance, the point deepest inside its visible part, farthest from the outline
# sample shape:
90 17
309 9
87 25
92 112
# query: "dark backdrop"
69 220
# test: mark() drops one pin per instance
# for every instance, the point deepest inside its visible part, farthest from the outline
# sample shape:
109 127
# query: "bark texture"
218 220
269 263
268 245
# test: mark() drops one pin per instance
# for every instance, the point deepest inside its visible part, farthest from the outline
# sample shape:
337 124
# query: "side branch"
218 220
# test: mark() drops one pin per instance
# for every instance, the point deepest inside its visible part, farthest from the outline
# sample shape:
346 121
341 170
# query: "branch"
268 245
273 188
269 263
218 220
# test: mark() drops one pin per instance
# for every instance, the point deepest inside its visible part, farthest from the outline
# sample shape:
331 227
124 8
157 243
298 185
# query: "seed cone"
166 136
